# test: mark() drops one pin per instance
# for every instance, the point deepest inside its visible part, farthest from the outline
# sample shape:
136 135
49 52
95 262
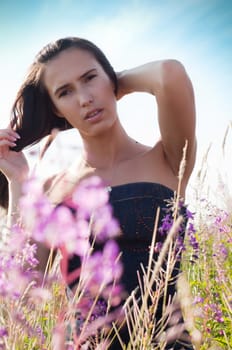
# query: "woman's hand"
13 164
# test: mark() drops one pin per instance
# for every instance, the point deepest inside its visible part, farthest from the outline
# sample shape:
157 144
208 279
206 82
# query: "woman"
71 84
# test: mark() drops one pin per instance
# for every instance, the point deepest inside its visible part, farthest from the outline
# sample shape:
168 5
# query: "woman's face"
81 91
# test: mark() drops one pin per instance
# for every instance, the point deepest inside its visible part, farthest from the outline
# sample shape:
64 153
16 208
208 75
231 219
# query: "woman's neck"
108 149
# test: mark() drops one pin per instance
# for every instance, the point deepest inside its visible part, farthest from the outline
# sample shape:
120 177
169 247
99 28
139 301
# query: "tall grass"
209 272
39 312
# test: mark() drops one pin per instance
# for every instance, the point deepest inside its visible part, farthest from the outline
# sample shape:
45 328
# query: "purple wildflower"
35 207
166 225
28 254
217 313
221 222
60 227
189 214
198 300
102 268
223 250
192 236
158 247
3 332
104 226
73 227
89 196
13 283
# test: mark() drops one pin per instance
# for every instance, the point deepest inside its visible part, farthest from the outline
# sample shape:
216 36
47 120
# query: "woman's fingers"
5 142
8 138
9 134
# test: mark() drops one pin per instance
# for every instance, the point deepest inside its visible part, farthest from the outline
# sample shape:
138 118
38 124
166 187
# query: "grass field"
35 312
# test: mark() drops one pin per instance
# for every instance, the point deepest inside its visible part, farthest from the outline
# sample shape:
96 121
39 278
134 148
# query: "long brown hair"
33 115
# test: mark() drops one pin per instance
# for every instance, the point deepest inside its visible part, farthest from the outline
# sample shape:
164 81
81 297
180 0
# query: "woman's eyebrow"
67 84
86 73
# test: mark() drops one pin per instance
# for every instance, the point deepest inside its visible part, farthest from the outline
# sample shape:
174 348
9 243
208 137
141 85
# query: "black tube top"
135 206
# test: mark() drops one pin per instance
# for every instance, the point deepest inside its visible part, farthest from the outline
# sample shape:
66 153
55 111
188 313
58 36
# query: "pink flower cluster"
69 225
74 226
17 262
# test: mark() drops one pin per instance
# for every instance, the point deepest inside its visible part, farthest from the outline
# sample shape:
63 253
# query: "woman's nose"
85 99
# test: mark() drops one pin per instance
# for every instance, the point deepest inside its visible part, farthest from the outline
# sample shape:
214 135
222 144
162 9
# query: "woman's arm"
15 167
168 81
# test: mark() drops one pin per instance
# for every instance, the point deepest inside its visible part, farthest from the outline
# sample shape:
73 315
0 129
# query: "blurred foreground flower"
83 228
86 213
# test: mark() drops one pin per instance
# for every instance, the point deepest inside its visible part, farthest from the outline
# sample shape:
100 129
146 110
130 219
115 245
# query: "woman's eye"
90 77
64 93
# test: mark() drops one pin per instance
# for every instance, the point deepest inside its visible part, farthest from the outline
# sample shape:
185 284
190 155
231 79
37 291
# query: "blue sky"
197 32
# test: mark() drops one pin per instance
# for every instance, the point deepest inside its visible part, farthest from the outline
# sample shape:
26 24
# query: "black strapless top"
135 206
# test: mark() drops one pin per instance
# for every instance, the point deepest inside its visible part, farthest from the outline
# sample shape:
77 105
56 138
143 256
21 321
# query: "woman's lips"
94 114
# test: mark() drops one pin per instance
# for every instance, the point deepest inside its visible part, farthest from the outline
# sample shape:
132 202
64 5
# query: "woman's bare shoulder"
49 182
57 187
61 185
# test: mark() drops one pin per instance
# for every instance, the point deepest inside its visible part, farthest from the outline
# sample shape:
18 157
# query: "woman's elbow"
173 73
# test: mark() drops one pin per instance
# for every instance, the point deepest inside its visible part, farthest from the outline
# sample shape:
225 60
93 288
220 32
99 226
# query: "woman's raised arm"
14 167
168 81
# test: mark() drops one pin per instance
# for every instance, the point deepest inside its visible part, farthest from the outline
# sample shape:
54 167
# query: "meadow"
39 312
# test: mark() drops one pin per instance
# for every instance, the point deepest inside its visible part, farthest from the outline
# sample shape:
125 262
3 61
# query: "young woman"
71 84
